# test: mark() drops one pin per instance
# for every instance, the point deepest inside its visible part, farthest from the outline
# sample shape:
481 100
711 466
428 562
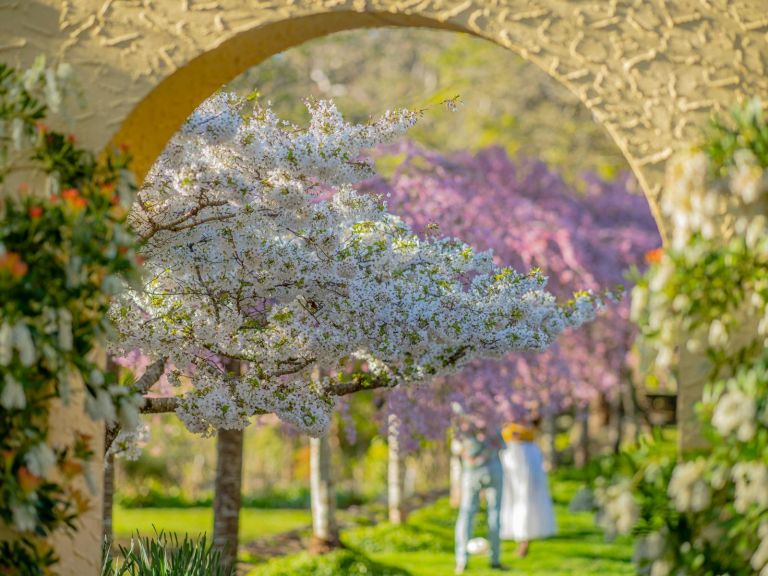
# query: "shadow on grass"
347 561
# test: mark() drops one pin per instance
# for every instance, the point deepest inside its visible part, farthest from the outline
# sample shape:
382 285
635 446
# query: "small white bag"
477 546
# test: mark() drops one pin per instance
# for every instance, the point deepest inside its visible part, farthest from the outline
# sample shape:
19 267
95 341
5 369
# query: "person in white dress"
526 505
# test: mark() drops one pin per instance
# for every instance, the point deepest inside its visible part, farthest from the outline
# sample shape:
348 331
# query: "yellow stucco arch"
649 70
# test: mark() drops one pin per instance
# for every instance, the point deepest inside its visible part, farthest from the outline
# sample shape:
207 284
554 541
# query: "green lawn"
424 547
254 523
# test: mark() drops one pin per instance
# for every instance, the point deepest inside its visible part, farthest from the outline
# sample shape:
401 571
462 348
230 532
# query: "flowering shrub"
259 249
708 515
63 245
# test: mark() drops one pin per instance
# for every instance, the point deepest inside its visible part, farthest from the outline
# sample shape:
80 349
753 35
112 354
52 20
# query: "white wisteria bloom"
40 459
258 249
759 560
735 412
618 509
12 395
688 488
751 485
661 568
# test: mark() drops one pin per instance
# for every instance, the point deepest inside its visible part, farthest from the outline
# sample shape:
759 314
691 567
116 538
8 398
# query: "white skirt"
526 506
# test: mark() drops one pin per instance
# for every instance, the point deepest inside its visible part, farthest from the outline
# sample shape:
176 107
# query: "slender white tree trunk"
325 531
581 444
226 502
455 471
395 473
548 446
629 402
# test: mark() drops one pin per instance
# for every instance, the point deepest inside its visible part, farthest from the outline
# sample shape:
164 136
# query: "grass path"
424 547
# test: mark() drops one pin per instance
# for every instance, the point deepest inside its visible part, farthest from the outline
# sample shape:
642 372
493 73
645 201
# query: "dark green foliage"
346 562
165 555
745 128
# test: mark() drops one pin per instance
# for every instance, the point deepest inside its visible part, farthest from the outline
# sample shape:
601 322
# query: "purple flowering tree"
529 217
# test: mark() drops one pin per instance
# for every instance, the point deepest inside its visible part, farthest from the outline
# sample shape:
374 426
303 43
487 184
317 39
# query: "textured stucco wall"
649 70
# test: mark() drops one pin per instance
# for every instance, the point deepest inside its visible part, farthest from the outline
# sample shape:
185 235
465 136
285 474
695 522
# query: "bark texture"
226 502
325 531
108 498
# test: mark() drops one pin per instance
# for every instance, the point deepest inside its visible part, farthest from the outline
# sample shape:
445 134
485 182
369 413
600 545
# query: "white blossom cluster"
618 508
128 443
259 249
689 488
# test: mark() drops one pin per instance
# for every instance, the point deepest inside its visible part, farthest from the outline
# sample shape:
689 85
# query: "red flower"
35 212
12 263
71 138
27 480
70 194
654 256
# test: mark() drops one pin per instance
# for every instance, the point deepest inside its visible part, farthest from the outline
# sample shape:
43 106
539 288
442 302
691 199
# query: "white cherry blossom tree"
258 249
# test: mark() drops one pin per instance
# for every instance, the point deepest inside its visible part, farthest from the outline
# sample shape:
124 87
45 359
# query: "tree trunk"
226 502
395 473
455 468
109 495
631 409
548 446
325 531
616 421
581 445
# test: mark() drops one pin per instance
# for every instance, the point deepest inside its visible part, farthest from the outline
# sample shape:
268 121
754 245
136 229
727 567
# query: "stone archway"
649 70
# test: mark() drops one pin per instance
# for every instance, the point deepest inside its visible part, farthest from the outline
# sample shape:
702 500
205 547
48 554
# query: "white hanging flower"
24 517
751 485
618 508
12 396
718 334
39 459
735 411
661 568
65 329
17 133
759 559
6 344
688 488
22 341
101 406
